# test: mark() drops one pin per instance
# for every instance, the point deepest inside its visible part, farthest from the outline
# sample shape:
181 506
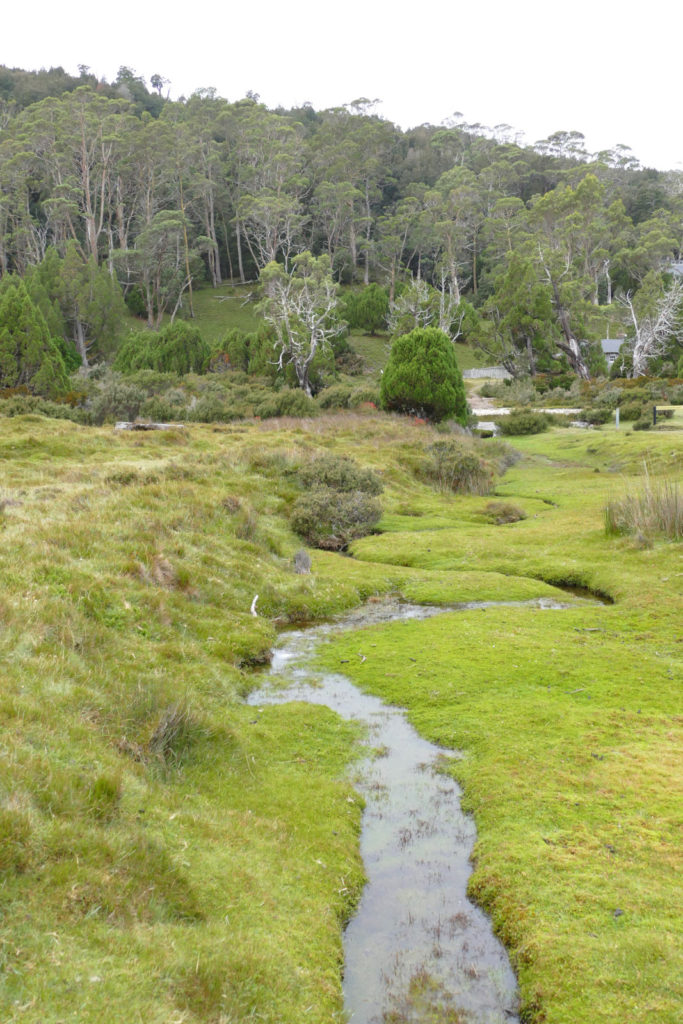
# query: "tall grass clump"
655 510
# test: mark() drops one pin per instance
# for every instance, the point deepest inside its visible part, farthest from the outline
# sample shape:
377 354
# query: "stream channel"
416 951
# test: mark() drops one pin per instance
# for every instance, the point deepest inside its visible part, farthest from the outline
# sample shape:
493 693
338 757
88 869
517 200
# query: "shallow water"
417 951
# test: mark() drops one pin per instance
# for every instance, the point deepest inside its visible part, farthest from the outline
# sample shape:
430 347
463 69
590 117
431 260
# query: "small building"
611 348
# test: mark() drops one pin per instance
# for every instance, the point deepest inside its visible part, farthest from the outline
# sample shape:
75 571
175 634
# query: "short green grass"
204 873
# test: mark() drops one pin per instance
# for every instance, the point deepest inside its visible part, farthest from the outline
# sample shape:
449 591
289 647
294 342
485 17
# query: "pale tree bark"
652 332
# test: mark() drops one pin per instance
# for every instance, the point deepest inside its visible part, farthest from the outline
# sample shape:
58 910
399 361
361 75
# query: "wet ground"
417 950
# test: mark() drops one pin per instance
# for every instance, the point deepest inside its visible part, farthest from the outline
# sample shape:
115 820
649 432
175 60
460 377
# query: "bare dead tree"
653 331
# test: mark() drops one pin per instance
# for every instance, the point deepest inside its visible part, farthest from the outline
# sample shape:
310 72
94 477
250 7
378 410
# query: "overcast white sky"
611 70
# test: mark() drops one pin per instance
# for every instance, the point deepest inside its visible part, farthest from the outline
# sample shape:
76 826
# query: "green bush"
453 466
523 421
367 310
597 415
212 408
178 348
287 402
631 411
330 519
340 474
117 401
336 397
365 396
22 405
422 377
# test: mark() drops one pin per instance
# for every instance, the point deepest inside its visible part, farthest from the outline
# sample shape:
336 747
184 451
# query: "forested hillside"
529 254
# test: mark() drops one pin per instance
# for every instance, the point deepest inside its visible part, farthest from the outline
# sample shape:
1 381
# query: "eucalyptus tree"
267 178
202 190
453 213
163 264
393 235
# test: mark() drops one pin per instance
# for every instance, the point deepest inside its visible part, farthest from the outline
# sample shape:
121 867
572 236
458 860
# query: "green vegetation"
527 256
422 377
338 505
656 509
168 851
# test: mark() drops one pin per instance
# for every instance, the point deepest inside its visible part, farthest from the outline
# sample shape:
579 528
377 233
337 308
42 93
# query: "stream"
417 951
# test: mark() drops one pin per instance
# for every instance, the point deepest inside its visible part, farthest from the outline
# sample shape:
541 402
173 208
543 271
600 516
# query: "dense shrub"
336 397
631 411
212 408
287 402
454 466
521 421
365 396
330 519
597 415
341 474
178 348
422 377
367 310
117 400
22 405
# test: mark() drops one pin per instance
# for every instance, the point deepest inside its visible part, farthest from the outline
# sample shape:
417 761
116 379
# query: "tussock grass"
656 509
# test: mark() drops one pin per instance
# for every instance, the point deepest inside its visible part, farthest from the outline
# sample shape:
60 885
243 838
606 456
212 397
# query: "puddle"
417 951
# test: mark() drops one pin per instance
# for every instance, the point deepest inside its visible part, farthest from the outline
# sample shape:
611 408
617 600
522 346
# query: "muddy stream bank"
417 951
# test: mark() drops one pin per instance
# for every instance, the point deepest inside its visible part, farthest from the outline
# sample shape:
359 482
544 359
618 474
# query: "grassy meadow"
171 855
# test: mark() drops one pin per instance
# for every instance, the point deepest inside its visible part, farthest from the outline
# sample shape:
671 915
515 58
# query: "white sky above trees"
609 69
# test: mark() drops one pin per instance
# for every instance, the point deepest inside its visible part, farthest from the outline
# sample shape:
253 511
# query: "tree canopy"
539 241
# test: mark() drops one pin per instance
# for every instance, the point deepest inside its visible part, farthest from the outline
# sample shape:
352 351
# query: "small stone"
618 912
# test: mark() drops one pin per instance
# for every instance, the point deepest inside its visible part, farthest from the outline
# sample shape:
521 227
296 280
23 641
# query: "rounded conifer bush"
422 377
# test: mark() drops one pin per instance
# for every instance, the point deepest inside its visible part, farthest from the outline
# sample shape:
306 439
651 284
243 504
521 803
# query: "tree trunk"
80 342
238 238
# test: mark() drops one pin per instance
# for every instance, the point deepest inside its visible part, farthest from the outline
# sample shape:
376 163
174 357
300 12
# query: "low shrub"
523 421
336 397
597 415
330 519
23 405
340 473
287 402
213 408
455 467
501 512
631 411
117 401
364 396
